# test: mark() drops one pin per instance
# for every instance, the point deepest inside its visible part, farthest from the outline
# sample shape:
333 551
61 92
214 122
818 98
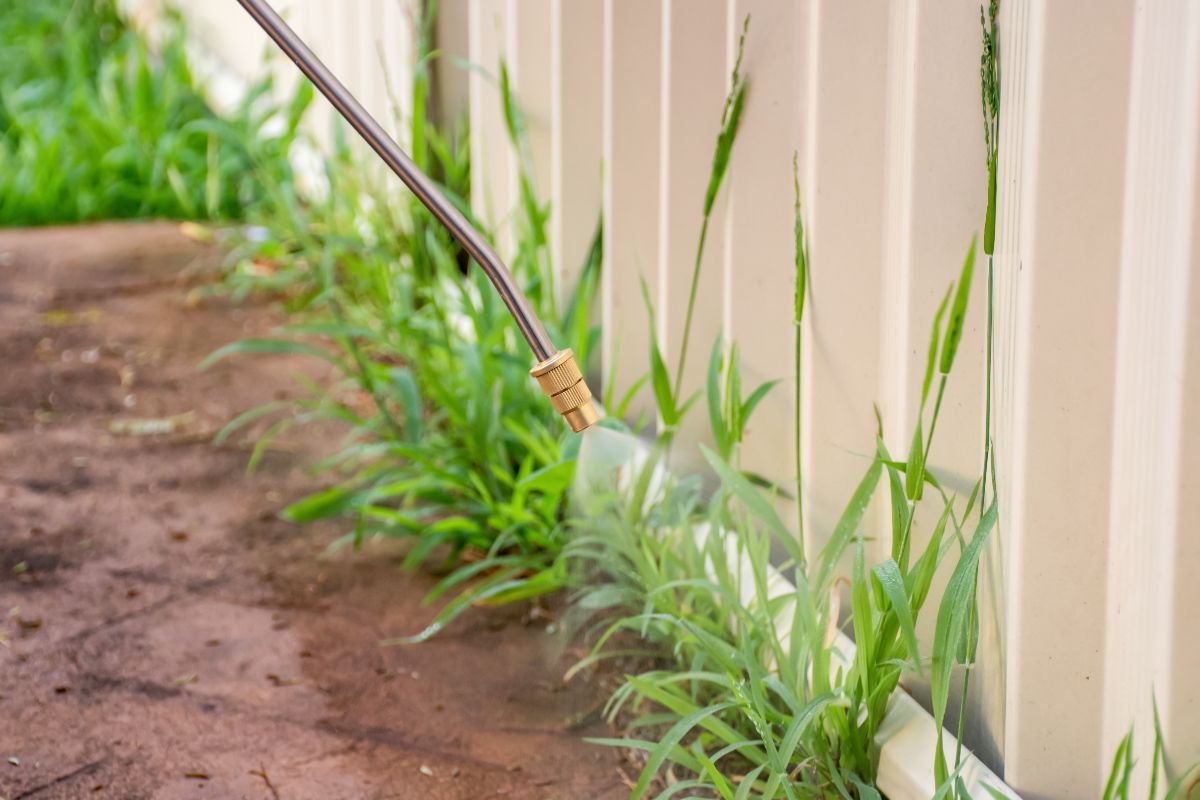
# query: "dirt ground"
163 634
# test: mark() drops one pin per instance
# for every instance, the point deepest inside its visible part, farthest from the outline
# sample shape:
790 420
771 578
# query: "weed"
800 265
451 443
731 118
760 688
761 702
1120 775
94 125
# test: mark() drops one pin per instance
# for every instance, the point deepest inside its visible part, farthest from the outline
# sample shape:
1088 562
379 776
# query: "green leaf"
836 775
801 249
864 618
406 388
958 312
865 791
552 480
989 224
755 398
725 139
498 584
1119 773
934 336
320 505
754 502
278 346
719 781
661 382
898 504
669 740
541 583
927 564
660 379
246 417
888 575
914 472
713 394
622 408
747 784
300 102
607 596
1157 756
799 724
953 613
846 526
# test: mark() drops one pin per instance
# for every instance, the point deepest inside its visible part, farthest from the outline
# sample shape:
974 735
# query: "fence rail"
1090 594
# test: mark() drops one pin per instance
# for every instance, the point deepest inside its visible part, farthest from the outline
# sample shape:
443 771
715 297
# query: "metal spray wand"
556 371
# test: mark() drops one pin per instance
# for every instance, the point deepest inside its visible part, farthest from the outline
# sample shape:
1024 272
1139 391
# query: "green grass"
754 685
1174 785
450 443
94 125
752 698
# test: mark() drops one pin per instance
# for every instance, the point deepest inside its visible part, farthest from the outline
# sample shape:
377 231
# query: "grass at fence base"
456 449
96 125
1120 777
758 691
451 444
759 704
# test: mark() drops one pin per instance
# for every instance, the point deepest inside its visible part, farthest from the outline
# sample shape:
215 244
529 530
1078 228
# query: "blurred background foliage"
94 124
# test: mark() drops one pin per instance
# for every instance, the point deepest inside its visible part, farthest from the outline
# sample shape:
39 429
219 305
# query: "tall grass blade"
952 626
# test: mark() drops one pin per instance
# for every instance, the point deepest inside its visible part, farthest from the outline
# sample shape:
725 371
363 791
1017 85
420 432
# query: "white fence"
1091 594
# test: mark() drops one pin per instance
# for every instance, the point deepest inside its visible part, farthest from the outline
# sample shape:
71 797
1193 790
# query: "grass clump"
757 698
754 695
96 125
450 443
1120 776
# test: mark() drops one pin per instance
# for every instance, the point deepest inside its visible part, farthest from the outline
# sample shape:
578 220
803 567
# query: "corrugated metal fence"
1092 594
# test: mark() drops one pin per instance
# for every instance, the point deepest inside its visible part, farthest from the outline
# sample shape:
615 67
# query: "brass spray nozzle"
563 383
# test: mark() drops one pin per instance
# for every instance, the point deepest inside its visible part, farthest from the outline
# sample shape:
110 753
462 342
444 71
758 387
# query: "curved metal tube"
418 182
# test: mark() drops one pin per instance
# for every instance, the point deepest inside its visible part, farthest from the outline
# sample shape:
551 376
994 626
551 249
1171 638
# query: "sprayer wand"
556 371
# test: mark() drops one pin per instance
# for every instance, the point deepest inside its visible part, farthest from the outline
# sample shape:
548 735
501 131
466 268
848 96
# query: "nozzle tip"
563 383
582 417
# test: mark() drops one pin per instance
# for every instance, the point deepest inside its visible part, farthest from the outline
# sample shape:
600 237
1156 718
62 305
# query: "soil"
163 634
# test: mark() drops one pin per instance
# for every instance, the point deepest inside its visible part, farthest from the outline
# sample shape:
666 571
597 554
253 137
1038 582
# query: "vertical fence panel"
944 204
363 45
632 92
758 281
936 195
1148 432
577 102
367 43
695 81
530 62
1181 686
493 161
451 76
396 48
1019 48
1063 275
843 167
